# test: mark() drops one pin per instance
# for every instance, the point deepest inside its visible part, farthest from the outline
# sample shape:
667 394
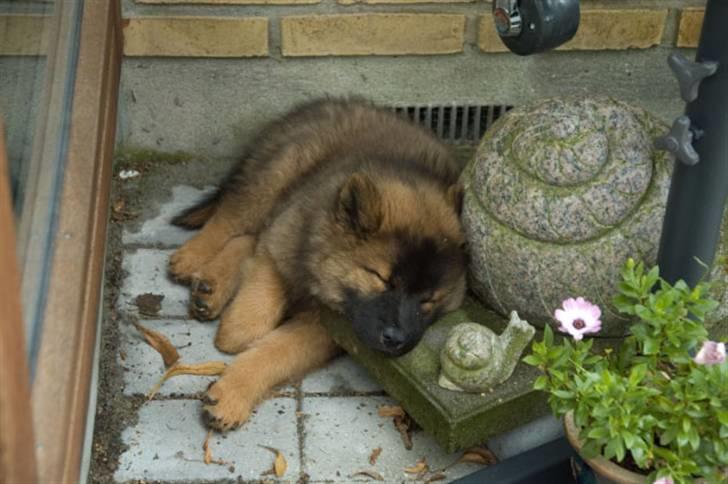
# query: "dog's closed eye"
385 281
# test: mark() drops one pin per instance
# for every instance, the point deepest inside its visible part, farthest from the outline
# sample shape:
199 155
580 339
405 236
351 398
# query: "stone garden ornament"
475 359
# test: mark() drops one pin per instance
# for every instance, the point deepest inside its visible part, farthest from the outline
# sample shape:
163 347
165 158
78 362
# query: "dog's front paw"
226 407
209 294
206 298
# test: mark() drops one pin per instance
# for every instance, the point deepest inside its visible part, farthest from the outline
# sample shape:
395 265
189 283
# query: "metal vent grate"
455 123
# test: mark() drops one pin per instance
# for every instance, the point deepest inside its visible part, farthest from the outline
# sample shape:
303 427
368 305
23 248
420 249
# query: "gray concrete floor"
326 425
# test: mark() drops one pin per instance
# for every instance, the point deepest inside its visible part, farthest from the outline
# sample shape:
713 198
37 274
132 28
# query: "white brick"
166 443
341 433
340 376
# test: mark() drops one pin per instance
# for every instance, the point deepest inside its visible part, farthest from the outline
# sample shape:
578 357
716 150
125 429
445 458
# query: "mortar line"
163 317
344 394
198 396
149 246
302 476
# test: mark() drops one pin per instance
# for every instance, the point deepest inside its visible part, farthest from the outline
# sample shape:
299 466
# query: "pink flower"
578 317
664 480
712 353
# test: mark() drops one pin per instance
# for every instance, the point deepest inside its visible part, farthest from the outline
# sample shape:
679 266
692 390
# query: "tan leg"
200 249
216 282
292 350
257 308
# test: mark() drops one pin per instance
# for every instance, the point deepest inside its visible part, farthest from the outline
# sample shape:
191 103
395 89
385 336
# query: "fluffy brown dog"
339 203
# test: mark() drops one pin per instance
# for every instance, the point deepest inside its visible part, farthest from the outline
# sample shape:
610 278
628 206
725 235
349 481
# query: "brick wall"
314 28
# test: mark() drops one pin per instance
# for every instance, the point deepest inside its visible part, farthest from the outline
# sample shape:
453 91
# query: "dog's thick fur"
339 203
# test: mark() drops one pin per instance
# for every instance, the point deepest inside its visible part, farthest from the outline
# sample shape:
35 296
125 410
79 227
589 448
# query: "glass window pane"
38 52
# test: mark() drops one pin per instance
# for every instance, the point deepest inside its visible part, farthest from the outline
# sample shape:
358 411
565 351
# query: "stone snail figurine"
475 359
560 193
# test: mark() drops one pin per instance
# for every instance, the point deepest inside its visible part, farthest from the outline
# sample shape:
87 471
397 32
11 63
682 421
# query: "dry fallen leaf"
420 466
149 304
391 411
119 205
403 424
119 213
375 455
279 465
437 476
479 455
209 368
208 453
369 473
206 448
160 343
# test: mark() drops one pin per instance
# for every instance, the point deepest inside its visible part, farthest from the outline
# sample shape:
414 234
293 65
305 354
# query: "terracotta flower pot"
607 472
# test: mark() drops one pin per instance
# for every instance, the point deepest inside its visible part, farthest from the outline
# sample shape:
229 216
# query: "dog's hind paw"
224 408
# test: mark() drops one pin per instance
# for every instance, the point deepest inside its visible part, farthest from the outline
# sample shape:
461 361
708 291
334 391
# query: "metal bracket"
507 18
690 74
679 141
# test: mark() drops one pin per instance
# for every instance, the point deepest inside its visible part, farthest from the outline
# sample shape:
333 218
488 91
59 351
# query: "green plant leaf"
637 374
694 438
723 417
615 448
629 438
564 394
598 433
548 336
540 383
650 346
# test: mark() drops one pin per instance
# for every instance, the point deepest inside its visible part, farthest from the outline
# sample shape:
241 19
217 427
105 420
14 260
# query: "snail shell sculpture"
475 359
559 194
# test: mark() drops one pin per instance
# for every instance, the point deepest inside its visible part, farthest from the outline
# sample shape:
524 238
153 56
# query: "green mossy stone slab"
456 420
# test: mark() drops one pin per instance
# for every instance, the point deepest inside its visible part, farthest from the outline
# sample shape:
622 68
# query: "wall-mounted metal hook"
690 74
679 141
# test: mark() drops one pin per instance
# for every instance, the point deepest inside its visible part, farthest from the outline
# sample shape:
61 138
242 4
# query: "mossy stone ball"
559 194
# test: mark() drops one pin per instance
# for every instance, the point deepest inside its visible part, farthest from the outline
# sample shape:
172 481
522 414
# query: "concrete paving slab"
146 273
143 366
341 433
158 229
341 376
166 444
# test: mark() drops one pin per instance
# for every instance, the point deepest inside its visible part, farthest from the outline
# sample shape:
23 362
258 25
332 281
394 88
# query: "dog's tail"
196 216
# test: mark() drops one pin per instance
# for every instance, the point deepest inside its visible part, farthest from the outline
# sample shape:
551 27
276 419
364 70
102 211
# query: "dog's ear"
359 205
455 197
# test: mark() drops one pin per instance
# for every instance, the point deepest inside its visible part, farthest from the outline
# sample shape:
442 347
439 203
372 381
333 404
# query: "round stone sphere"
559 194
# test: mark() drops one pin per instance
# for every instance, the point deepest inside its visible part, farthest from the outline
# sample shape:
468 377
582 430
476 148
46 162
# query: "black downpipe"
691 229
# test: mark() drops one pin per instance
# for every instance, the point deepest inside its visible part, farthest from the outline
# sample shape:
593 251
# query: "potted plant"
656 408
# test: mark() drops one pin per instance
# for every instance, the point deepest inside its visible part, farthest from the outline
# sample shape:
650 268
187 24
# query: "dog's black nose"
393 338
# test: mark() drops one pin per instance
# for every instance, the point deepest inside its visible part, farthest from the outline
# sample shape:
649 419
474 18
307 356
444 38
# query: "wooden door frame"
65 358
61 382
